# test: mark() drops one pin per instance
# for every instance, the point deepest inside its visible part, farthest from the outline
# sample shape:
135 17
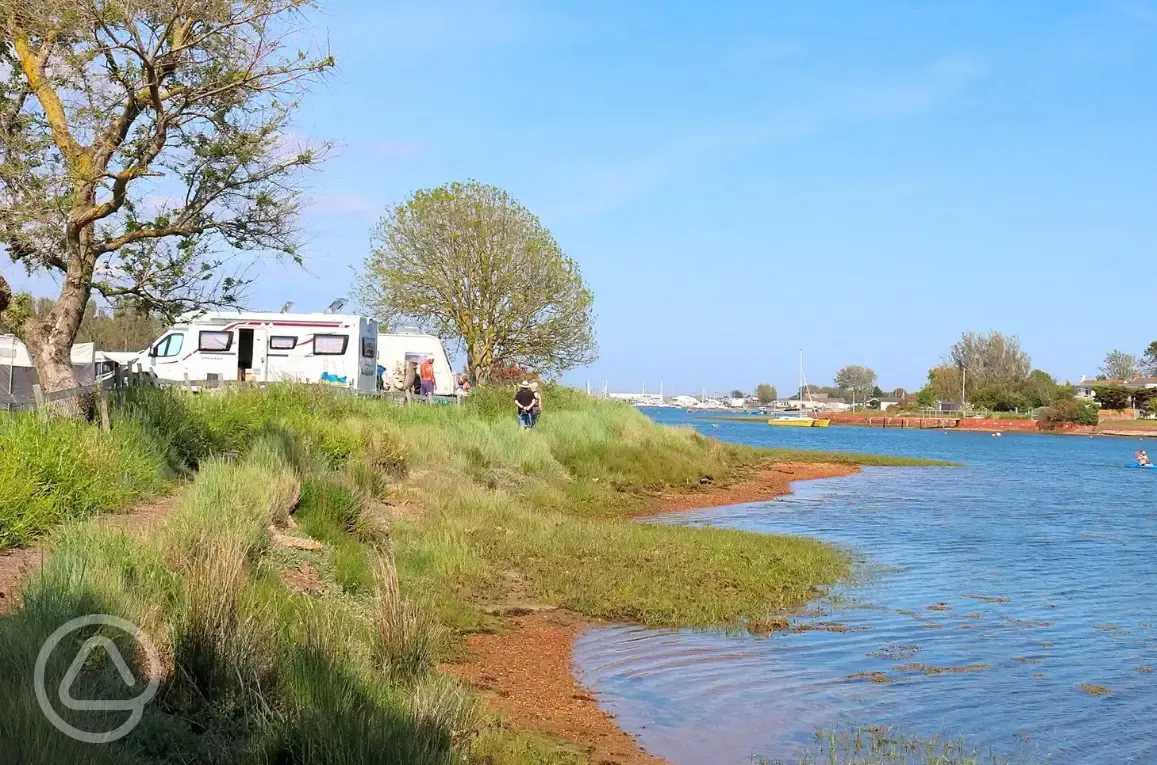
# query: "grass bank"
316 640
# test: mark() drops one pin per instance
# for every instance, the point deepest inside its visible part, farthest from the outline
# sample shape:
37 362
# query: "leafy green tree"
738 394
1042 389
766 393
926 396
1000 397
1112 396
1119 365
859 379
142 143
467 261
944 383
1142 397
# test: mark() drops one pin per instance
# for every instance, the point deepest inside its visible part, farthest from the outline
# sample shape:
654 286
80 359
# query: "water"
1036 560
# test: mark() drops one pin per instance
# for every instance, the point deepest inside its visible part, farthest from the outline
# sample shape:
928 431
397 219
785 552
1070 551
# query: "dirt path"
16 566
527 672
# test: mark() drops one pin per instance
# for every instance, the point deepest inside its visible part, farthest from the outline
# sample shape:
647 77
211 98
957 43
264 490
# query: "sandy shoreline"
527 672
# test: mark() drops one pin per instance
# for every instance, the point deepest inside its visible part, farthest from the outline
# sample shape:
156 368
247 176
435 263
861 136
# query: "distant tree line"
117 328
990 370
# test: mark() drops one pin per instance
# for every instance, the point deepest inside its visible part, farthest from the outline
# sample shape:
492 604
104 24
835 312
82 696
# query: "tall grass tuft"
407 640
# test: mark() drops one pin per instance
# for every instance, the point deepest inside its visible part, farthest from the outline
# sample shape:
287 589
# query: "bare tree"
858 379
1148 358
989 358
142 144
467 261
1119 365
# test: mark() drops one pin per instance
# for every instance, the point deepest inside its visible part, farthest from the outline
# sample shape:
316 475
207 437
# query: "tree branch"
111 245
33 66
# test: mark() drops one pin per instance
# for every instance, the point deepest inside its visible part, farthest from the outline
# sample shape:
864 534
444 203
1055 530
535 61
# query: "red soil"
527 672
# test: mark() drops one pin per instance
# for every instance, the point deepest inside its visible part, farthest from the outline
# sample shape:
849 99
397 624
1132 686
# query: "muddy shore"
526 672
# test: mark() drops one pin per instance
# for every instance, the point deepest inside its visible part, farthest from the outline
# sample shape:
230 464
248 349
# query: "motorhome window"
329 345
215 341
170 346
368 349
282 342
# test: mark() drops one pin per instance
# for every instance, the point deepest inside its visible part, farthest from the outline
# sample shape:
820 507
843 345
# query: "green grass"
64 470
883 745
344 671
851 458
253 671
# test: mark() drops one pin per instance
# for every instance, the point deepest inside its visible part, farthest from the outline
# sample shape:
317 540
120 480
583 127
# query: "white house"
1086 388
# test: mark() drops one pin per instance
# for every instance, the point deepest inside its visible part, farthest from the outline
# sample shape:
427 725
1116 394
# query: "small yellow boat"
797 419
791 421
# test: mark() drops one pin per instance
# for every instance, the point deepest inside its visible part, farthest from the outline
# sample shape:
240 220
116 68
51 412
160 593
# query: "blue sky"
739 180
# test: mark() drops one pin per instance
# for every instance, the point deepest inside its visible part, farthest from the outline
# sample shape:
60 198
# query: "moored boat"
799 419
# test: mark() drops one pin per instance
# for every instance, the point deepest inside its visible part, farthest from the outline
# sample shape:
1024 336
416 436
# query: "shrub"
1069 411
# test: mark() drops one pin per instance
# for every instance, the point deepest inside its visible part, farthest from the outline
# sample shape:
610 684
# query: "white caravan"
394 351
327 348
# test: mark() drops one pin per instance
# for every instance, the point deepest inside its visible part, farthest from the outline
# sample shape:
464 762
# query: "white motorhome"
328 348
396 350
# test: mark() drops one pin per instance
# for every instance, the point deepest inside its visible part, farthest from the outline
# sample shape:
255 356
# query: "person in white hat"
524 399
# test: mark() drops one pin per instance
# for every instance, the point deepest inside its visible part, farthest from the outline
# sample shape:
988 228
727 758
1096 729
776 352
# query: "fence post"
38 392
188 385
101 404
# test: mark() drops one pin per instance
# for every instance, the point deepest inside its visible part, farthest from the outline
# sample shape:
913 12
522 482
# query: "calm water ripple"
988 601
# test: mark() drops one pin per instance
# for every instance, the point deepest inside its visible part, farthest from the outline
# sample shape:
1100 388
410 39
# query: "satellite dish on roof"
336 306
287 307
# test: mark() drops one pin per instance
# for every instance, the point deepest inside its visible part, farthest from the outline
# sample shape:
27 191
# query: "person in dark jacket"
525 400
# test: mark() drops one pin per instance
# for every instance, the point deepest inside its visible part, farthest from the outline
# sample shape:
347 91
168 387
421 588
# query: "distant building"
1086 388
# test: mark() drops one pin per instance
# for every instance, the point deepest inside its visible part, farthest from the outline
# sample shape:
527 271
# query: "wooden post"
188 384
38 392
102 405
105 423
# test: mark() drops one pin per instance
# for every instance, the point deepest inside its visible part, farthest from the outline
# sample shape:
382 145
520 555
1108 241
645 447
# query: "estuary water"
1012 601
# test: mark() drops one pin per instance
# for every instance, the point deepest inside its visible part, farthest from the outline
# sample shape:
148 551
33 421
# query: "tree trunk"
479 362
5 294
49 339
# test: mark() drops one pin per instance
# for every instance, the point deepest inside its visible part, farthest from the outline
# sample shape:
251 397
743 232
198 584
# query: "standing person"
426 372
524 399
536 410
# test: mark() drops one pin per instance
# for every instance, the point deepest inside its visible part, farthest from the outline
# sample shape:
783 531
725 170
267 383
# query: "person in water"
1143 459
